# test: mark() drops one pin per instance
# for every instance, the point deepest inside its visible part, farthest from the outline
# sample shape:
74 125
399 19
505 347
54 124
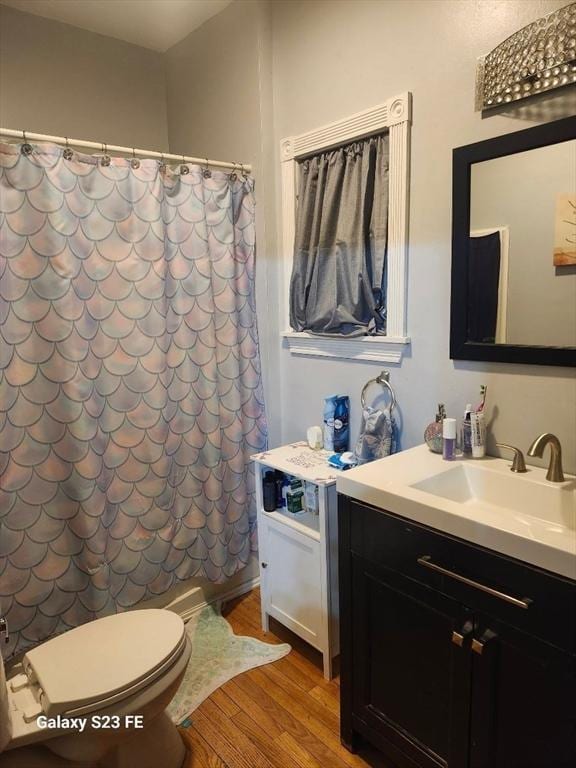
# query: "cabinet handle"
427 562
264 565
459 638
478 645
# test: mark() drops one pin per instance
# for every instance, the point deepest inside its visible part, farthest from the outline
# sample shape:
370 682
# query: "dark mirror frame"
462 160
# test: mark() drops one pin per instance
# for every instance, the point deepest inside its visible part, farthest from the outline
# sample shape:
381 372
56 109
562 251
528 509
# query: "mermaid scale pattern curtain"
130 387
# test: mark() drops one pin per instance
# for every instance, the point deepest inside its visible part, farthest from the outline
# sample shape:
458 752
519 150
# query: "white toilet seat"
105 660
94 666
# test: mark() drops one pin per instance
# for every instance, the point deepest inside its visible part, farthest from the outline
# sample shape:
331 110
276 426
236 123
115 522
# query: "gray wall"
64 81
335 58
331 59
219 82
258 72
519 192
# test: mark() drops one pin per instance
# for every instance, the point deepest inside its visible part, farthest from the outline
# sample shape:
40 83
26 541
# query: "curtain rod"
25 135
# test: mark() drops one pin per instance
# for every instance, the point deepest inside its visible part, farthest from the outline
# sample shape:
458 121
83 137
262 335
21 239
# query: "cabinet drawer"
481 579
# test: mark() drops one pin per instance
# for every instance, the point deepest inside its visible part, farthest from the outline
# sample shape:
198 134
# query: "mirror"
514 248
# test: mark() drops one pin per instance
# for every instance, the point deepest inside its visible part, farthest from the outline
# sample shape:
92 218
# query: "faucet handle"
518 464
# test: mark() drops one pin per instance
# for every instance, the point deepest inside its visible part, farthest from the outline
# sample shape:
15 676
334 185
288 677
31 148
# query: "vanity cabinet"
452 655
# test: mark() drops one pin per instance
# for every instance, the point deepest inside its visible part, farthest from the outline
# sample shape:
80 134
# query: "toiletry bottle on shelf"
449 439
279 478
478 428
311 497
269 492
314 438
329 409
295 497
433 432
341 424
467 431
285 486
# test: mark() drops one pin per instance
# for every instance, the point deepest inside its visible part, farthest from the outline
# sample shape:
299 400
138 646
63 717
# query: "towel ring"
383 379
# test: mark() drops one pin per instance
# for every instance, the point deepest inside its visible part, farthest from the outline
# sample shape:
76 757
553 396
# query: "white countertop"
522 516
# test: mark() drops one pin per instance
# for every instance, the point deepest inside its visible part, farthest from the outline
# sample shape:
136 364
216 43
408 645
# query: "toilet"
107 671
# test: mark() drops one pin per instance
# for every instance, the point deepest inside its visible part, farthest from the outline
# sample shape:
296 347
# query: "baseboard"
182 606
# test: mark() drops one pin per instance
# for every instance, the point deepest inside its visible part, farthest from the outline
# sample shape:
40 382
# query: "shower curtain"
130 387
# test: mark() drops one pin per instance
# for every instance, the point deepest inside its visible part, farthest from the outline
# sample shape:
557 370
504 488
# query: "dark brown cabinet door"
411 679
523 711
441 674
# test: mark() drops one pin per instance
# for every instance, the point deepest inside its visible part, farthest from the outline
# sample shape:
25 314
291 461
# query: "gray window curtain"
339 273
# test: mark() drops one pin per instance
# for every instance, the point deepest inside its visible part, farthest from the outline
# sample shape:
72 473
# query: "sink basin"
521 515
479 486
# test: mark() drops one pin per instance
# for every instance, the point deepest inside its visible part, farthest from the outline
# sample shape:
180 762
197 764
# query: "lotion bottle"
449 439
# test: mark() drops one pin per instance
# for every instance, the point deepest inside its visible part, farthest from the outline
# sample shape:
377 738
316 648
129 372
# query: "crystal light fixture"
538 58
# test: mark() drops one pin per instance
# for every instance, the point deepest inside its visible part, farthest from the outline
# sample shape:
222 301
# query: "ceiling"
155 24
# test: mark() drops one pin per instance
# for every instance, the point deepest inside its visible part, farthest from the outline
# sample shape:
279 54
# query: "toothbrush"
480 406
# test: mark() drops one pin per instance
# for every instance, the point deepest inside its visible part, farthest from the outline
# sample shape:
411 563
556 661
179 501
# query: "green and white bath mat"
218 655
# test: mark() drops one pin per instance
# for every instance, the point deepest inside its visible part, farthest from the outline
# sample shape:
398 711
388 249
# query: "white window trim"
395 115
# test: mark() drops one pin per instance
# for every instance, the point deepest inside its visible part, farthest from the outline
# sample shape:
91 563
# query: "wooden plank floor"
281 715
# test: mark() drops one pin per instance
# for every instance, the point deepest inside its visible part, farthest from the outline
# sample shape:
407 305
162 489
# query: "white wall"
335 58
64 81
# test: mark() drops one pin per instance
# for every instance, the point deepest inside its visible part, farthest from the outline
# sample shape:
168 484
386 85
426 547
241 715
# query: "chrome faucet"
555 473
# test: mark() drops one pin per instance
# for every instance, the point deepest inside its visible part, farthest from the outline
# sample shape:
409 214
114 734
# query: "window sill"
381 349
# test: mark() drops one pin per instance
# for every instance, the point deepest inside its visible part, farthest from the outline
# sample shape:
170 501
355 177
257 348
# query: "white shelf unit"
298 553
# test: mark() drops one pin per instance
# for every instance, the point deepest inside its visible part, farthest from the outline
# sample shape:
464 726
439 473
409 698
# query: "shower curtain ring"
233 175
105 157
162 163
207 173
26 148
105 161
67 154
135 163
184 168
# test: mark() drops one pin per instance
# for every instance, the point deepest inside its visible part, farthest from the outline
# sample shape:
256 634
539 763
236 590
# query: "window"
338 284
375 328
